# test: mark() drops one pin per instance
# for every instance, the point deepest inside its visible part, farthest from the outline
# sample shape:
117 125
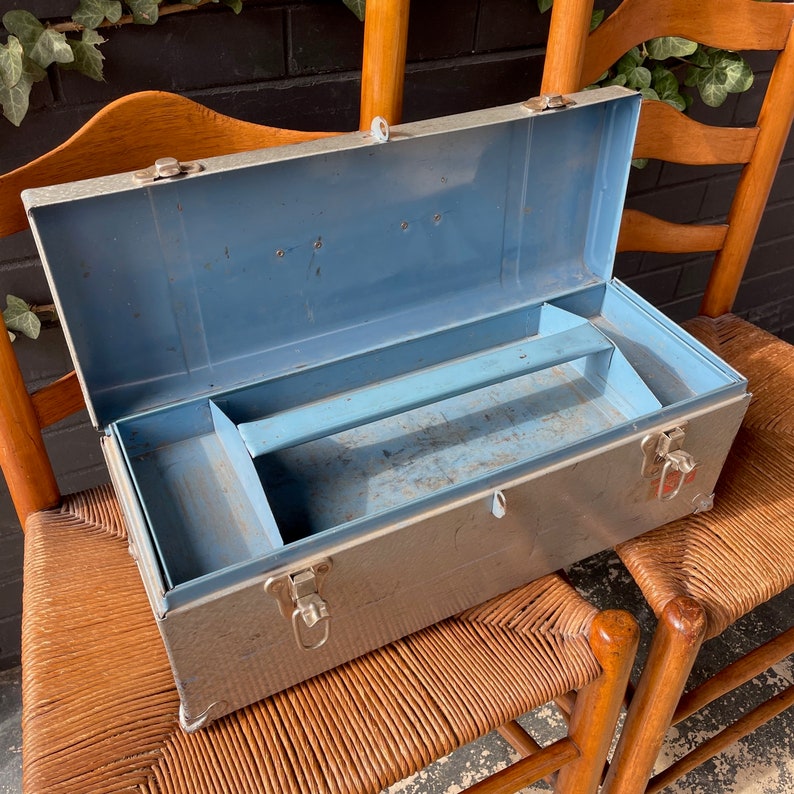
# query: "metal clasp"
299 600
166 168
664 454
548 102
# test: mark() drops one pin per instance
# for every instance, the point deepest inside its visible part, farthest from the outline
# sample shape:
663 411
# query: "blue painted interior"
178 289
225 324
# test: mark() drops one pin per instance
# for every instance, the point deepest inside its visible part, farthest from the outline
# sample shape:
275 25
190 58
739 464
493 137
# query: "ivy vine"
25 318
660 68
32 46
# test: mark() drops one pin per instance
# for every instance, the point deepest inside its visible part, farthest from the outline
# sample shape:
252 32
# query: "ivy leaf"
639 78
670 47
359 7
640 162
618 79
712 87
144 12
235 5
24 26
665 83
51 47
92 13
738 75
16 99
87 58
726 73
699 57
11 57
649 93
629 61
19 317
596 19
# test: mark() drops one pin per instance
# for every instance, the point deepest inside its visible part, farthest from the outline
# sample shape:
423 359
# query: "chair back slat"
57 400
667 134
725 24
640 231
576 58
132 133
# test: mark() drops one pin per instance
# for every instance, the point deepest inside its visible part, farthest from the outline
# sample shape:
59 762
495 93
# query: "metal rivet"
437 217
167 166
404 225
318 244
280 252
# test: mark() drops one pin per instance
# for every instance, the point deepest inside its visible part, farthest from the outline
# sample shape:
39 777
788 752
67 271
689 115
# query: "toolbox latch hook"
680 461
664 454
299 600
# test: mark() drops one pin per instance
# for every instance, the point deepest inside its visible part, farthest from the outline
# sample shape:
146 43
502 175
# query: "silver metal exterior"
355 386
236 646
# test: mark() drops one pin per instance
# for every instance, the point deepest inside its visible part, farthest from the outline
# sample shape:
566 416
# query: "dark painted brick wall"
295 64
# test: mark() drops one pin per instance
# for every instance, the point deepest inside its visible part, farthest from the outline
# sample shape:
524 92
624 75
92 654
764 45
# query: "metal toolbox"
351 387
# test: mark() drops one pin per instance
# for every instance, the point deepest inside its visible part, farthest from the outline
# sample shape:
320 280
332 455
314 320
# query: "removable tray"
226 481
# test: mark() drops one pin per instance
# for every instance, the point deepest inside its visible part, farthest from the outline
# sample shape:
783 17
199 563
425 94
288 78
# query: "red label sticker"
670 483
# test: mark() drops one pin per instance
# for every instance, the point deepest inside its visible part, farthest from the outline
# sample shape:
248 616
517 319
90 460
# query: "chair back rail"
575 59
130 133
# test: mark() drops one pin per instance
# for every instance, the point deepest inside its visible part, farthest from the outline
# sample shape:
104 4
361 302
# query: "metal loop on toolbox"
299 625
676 460
380 128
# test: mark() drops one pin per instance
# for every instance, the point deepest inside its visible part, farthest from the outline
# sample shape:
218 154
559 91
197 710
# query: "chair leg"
614 638
675 646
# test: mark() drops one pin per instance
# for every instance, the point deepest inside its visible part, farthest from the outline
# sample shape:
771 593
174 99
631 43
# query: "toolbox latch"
166 168
663 456
299 600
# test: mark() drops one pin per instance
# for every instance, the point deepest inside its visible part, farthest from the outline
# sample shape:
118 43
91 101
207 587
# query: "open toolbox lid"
281 259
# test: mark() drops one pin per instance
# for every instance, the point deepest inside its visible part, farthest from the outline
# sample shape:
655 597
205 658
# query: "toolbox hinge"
548 102
664 455
299 600
166 168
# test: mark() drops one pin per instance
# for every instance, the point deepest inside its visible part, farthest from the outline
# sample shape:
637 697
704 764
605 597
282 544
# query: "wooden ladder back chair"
99 702
703 573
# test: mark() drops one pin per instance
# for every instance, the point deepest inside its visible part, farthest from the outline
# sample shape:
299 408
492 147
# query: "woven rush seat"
727 563
101 707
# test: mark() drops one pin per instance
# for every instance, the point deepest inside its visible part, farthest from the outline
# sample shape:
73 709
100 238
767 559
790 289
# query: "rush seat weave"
101 708
727 563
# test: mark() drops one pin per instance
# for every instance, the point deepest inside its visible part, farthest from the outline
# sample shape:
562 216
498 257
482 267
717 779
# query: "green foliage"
358 7
658 68
661 68
20 317
31 47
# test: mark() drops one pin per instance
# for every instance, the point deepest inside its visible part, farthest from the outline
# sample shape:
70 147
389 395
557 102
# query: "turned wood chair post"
23 457
774 121
611 633
383 64
674 648
563 64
